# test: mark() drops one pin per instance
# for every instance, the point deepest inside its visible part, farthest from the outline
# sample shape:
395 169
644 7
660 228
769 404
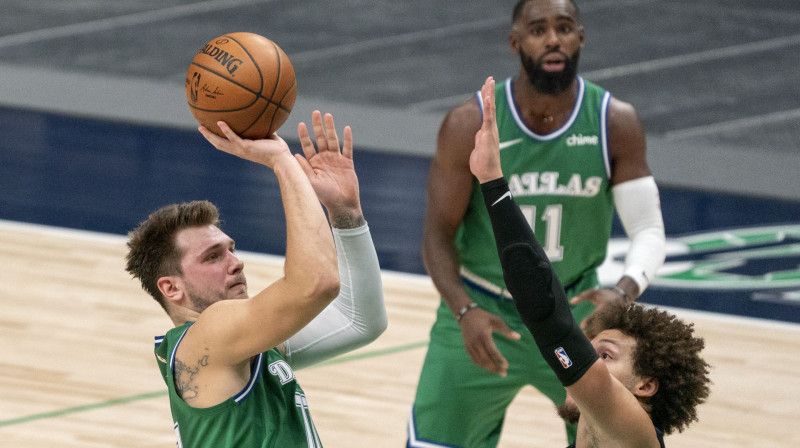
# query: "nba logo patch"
562 356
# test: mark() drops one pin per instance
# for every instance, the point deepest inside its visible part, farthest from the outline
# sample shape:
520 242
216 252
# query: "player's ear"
513 42
171 288
646 387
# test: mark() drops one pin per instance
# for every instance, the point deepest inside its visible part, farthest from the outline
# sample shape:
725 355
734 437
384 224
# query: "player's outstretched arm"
235 330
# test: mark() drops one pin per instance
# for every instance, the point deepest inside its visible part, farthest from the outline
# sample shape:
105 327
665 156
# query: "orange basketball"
243 79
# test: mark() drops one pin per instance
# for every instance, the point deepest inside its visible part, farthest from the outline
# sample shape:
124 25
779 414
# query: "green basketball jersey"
561 183
271 410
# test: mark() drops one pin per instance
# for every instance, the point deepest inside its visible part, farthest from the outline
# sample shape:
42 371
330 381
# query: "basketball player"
570 153
229 362
642 374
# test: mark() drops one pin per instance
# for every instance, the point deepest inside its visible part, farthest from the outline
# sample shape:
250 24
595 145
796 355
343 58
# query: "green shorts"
459 404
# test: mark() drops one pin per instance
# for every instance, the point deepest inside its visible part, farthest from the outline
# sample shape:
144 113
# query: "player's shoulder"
463 118
467 109
621 113
619 106
616 106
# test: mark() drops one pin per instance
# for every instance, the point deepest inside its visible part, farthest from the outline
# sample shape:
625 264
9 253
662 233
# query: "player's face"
548 39
211 269
616 350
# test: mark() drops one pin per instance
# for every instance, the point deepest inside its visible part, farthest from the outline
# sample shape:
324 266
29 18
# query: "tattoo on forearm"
184 378
347 221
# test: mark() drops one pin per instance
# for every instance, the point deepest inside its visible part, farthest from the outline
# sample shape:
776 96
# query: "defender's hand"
484 161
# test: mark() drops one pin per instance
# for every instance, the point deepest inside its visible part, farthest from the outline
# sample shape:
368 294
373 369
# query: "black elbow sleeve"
528 278
538 295
542 305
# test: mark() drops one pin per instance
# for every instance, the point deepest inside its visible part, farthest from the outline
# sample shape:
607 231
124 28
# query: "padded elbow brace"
537 292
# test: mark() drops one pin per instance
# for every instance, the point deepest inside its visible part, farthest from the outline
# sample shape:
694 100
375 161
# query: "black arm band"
537 292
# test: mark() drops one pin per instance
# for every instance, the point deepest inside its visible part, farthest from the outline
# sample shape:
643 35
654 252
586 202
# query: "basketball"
243 79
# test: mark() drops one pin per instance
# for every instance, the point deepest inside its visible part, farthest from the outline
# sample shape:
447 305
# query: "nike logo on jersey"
504 145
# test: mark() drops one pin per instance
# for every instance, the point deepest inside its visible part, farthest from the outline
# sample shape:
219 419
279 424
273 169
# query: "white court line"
733 125
112 23
648 66
403 277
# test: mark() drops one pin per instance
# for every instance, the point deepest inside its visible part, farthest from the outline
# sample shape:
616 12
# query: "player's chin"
238 291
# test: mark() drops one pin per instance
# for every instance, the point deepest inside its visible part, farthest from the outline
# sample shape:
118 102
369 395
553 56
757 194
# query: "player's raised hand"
329 167
265 151
484 161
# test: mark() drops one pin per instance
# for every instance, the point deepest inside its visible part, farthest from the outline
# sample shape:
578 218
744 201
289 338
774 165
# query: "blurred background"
96 131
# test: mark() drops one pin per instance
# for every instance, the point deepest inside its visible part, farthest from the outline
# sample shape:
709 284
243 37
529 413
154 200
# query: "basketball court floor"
96 133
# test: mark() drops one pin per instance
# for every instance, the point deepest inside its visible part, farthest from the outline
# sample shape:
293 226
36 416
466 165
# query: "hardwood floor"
77 368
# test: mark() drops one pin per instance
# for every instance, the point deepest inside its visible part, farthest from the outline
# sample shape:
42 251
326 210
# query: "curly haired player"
573 154
640 377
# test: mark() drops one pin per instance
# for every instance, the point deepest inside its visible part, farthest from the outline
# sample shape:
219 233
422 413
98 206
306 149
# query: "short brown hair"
152 250
667 350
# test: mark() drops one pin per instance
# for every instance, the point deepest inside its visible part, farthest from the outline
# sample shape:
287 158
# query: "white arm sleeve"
639 209
356 317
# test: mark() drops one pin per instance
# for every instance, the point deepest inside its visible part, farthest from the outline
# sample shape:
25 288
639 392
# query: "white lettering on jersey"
582 140
282 370
547 183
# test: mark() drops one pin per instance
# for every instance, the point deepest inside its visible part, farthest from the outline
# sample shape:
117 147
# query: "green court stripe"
149 395
372 354
87 407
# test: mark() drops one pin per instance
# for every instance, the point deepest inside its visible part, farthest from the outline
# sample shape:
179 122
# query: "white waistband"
484 284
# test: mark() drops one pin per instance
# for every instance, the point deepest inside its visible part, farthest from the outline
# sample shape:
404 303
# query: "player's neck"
544 113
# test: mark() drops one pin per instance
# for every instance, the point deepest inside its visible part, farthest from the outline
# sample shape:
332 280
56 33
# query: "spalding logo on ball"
243 79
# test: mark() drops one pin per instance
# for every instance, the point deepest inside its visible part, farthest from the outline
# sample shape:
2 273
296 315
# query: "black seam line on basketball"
277 78
253 60
161 393
240 108
274 114
257 119
274 89
280 102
